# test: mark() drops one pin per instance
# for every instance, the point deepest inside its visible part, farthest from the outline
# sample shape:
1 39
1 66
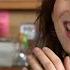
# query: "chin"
66 48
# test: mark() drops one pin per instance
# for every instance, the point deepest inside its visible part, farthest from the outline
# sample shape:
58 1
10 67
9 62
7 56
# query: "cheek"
60 31
60 6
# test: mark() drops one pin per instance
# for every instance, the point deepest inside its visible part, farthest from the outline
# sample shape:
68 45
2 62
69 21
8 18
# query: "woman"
55 33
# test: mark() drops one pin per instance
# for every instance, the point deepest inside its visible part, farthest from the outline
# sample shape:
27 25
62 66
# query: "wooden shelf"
27 4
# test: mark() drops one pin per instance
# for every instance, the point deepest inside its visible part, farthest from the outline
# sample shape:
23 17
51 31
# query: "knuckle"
47 65
57 61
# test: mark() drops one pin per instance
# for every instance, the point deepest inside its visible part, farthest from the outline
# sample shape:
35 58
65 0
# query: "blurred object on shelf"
4 24
29 30
8 53
27 35
22 60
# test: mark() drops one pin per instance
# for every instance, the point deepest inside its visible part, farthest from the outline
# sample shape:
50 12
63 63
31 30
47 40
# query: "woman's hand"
45 59
67 63
24 68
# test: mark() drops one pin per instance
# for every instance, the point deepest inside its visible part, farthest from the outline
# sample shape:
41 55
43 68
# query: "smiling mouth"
67 27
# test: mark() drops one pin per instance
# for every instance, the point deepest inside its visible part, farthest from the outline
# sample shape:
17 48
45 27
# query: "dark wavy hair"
47 34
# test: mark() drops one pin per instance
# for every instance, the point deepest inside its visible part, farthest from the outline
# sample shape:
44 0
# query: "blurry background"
17 18
21 12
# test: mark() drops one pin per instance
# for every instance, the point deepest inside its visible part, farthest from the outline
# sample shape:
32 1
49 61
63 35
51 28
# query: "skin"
62 7
47 58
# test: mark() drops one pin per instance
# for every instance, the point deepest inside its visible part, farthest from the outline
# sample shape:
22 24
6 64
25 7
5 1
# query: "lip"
66 23
67 31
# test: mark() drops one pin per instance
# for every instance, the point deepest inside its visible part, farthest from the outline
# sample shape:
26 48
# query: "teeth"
67 25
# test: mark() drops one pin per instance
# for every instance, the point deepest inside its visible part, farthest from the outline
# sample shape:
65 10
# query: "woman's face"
61 19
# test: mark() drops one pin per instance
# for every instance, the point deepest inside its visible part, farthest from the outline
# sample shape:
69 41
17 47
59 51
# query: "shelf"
19 4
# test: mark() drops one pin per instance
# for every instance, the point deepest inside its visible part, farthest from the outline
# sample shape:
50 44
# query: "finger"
67 63
47 64
24 68
54 58
34 63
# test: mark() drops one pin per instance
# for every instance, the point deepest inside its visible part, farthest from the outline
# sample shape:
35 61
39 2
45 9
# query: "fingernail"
45 48
68 58
36 49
